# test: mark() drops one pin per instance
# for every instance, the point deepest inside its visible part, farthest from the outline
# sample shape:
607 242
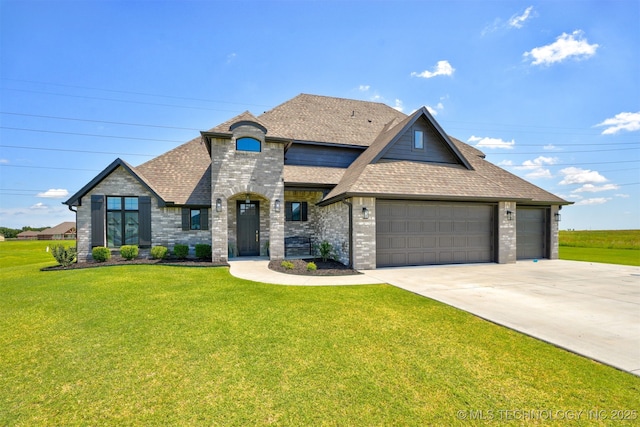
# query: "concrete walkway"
587 308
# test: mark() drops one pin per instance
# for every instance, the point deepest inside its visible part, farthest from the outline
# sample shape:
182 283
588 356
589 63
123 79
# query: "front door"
248 228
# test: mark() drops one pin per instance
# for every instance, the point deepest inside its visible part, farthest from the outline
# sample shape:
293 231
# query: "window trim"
249 138
304 209
415 146
123 220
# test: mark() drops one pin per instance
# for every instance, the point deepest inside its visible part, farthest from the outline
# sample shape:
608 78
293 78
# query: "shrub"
287 265
101 254
203 251
64 255
326 250
181 251
312 266
159 252
129 252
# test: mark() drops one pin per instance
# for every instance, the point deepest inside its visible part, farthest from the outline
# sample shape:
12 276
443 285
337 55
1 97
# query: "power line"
98 121
91 134
77 151
137 93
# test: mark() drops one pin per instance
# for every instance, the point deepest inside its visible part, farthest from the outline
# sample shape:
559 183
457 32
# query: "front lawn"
157 345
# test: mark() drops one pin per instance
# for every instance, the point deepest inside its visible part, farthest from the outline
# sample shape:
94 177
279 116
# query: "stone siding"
364 233
333 226
237 173
506 239
166 223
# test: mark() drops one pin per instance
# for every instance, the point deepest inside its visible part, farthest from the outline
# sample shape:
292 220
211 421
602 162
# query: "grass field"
158 345
608 246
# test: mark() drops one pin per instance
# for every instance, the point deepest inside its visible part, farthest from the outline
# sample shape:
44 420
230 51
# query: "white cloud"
54 193
4 161
550 147
442 68
492 143
364 88
231 57
574 175
566 46
622 121
505 163
624 196
39 206
590 188
536 167
516 21
594 201
398 105
434 110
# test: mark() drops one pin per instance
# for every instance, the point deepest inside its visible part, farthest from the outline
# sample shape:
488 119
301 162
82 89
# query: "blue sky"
548 90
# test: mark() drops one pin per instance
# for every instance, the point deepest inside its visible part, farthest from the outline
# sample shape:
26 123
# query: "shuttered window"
195 219
296 211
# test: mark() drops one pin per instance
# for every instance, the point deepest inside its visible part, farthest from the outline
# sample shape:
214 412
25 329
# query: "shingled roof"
182 176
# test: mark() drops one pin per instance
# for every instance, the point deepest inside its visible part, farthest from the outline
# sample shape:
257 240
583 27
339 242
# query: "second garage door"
422 233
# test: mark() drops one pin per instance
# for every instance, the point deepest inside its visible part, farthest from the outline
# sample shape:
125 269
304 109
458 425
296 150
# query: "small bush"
312 266
181 251
129 252
326 250
64 255
101 254
159 252
203 251
287 265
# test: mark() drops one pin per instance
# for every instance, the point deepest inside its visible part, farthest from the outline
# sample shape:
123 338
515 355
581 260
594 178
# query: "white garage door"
421 233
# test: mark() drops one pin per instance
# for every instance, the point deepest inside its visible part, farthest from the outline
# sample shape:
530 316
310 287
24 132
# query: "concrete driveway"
587 308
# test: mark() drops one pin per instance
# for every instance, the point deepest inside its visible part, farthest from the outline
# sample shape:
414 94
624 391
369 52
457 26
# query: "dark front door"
248 229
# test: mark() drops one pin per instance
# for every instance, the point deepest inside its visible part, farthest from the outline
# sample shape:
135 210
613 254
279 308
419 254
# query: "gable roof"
63 228
76 199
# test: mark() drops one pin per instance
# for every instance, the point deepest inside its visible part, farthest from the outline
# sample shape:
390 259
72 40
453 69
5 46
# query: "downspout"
350 232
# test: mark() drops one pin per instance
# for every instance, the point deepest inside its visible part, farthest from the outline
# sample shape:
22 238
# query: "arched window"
248 144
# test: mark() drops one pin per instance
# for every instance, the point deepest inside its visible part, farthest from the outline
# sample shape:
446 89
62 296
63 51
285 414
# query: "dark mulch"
117 260
328 268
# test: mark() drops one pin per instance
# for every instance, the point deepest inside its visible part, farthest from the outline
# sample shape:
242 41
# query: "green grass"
157 345
608 246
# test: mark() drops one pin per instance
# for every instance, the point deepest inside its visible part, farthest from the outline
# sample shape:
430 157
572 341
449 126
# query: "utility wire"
77 151
91 134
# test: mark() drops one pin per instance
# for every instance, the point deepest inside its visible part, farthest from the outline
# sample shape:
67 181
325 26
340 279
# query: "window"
122 221
195 219
418 140
248 144
296 211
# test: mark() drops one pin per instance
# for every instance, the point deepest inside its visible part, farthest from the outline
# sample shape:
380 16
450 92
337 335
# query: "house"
64 231
28 235
384 188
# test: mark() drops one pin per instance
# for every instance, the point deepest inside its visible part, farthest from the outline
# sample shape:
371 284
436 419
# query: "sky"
548 90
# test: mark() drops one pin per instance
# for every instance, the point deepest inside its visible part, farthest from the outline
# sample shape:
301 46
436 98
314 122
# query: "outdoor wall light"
218 205
556 217
509 215
277 205
247 199
365 213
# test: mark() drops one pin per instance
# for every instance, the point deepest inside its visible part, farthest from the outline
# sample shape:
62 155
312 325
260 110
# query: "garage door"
531 235
421 233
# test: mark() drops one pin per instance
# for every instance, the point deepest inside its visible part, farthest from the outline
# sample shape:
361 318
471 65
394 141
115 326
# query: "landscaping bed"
118 260
324 268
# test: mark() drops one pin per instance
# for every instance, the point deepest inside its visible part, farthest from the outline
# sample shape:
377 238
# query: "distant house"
28 235
385 189
64 231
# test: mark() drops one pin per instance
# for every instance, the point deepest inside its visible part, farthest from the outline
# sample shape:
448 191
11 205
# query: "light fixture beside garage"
277 205
218 205
365 213
556 217
509 215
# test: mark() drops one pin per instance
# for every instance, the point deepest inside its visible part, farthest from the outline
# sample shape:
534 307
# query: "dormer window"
248 144
418 140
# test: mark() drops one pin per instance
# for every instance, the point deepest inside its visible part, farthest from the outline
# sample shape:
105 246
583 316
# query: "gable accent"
76 199
407 125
